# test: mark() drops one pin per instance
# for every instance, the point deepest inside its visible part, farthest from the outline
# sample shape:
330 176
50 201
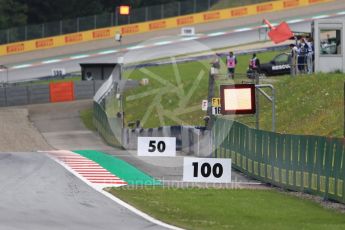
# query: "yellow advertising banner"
169 23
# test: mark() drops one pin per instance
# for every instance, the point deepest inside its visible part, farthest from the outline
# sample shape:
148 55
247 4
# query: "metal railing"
312 164
149 13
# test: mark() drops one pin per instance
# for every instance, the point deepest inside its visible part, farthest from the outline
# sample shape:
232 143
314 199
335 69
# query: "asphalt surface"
60 125
38 194
336 5
153 52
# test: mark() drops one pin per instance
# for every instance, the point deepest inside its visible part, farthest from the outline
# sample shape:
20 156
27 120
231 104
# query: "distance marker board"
213 170
157 146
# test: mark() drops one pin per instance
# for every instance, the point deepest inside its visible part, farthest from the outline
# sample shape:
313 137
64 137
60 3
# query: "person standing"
302 55
215 65
254 64
231 63
294 59
310 53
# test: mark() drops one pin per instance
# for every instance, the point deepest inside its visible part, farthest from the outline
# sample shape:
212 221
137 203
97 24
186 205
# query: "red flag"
269 24
280 33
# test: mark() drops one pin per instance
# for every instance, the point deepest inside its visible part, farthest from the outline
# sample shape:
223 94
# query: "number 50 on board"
157 146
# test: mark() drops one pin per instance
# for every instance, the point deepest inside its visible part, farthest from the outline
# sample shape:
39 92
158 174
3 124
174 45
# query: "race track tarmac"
38 194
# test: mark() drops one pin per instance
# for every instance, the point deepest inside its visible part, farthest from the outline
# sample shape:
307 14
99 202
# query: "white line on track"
99 188
21 66
80 56
51 61
107 52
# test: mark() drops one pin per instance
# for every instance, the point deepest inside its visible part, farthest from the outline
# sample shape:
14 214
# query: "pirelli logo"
15 48
130 29
212 16
101 33
44 43
264 8
239 12
157 25
73 38
316 1
290 3
185 20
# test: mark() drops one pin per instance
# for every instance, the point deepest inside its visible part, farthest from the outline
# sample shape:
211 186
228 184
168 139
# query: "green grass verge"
86 116
231 209
308 104
175 92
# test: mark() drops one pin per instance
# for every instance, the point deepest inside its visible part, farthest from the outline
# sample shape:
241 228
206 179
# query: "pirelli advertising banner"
168 23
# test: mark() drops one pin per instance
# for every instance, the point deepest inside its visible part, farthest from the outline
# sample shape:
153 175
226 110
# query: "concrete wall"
189 140
36 94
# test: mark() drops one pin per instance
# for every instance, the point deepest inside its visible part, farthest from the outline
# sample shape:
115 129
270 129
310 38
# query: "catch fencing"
311 164
108 118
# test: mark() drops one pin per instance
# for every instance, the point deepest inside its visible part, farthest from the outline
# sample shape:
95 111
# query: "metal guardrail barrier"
149 13
312 164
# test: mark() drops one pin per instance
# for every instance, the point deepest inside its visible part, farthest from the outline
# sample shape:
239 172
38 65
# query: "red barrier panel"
61 91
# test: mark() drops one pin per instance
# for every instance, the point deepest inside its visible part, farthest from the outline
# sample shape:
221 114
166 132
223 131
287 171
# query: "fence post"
194 6
257 101
209 4
179 8
28 95
8 35
43 30
95 21
26 32
5 94
60 27
162 11
146 13
77 24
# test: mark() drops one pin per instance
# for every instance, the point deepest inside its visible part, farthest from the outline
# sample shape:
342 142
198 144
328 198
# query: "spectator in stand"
231 63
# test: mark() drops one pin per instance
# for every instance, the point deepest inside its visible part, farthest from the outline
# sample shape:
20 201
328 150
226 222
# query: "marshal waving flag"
280 33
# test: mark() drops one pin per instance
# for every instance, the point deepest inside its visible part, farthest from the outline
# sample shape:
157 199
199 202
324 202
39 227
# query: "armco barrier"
61 91
39 94
311 164
2 97
84 90
17 95
36 94
169 23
